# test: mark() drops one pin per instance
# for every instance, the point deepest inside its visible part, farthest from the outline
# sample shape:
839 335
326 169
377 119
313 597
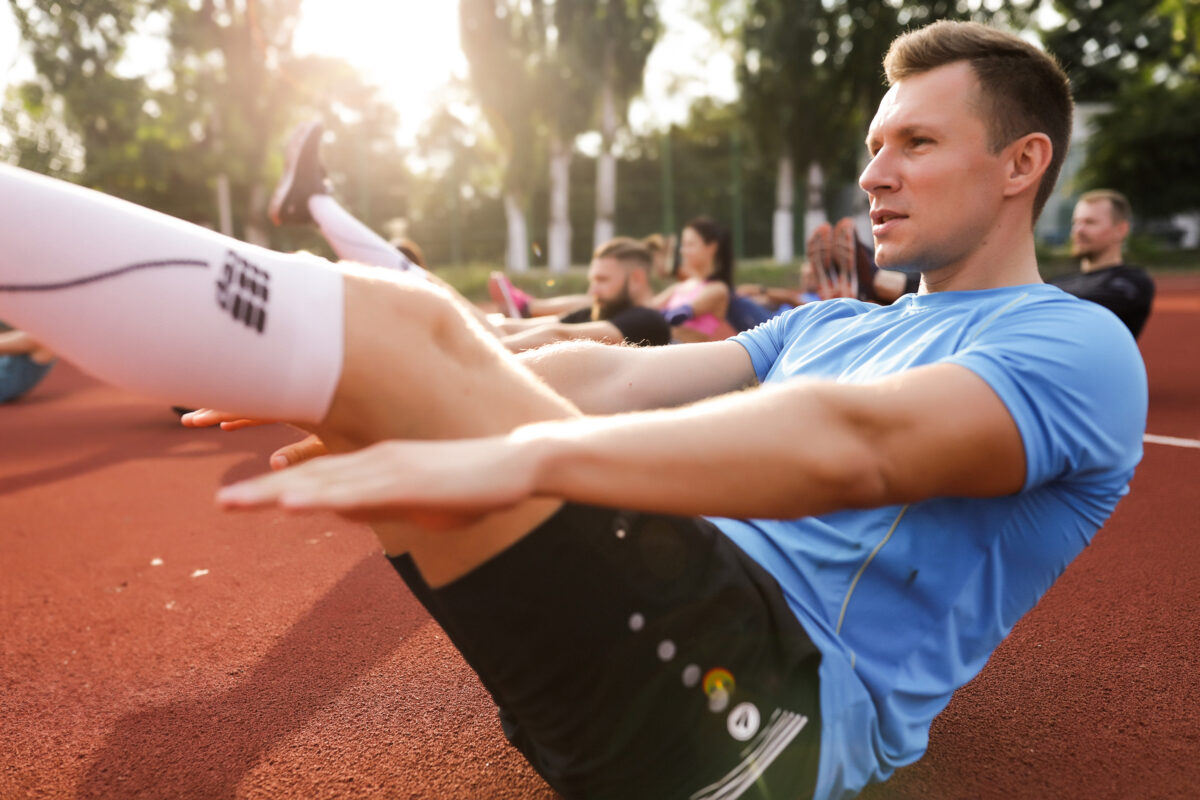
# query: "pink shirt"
684 294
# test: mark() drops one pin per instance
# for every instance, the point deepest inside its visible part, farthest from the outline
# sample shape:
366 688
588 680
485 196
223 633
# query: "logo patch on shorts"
243 291
743 721
758 754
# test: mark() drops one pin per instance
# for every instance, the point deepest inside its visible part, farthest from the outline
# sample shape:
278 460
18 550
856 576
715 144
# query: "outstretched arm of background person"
782 451
601 379
511 325
597 378
548 333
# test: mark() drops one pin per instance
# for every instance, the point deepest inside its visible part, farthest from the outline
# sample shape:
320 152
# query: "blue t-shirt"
906 603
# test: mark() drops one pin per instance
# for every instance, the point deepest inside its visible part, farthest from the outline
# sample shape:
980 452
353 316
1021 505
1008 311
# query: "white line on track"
1174 441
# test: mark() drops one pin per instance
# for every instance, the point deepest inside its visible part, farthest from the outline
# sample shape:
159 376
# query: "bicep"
942 431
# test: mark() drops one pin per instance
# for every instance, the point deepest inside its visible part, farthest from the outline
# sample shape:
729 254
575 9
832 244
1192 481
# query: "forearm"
778 452
536 336
778 296
510 325
603 379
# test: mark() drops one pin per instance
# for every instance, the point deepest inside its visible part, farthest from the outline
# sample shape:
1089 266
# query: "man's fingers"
228 420
419 482
42 355
300 484
19 343
202 418
298 452
238 424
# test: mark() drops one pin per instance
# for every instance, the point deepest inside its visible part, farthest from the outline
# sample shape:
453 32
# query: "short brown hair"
1117 203
411 250
1024 89
628 250
655 243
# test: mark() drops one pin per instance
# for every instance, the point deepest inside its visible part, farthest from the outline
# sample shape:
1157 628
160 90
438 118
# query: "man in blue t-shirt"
676 588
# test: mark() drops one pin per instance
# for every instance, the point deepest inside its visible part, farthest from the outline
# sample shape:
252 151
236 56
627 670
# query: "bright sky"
410 49
8 43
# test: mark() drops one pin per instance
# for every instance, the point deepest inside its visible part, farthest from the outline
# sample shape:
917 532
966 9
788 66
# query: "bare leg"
154 304
416 366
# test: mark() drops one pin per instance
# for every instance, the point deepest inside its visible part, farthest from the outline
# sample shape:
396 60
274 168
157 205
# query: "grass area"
471 279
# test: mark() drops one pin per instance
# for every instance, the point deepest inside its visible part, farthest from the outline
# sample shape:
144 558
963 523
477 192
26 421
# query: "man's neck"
1008 258
1109 258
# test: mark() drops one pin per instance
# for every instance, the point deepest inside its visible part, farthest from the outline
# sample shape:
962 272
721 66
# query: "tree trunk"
606 170
517 256
559 236
224 206
783 229
814 208
253 230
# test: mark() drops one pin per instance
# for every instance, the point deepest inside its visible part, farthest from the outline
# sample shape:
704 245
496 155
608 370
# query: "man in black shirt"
619 285
1098 230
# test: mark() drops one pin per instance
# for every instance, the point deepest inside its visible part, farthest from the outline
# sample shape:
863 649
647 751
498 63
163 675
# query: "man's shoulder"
1062 308
576 317
1103 275
642 325
1134 273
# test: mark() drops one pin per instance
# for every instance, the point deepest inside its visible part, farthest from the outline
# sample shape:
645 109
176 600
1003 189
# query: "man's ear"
1028 159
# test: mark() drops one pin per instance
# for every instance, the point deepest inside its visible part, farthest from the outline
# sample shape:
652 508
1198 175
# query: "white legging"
354 241
163 307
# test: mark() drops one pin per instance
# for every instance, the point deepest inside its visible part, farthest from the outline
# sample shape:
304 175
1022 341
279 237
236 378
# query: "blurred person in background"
1099 227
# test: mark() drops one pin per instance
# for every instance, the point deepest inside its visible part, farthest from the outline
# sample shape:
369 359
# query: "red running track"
155 648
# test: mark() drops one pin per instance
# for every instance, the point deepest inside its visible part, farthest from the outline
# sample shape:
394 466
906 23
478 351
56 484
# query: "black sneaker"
303 176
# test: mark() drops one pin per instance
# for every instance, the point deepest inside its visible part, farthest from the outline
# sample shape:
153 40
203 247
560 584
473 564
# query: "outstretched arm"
601 331
600 379
780 452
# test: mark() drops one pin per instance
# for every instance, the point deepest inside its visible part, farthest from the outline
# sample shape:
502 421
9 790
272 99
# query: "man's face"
608 284
1094 229
695 255
934 185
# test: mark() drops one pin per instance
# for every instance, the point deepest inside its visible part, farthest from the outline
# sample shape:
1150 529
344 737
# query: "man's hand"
836 284
437 485
306 449
207 417
287 456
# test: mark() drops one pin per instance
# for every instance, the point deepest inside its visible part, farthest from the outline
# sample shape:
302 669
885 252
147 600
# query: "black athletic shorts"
639 656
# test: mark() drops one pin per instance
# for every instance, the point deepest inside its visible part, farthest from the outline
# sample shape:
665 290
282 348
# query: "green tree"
565 31
1142 59
456 210
499 41
203 143
625 33
235 68
1104 47
79 98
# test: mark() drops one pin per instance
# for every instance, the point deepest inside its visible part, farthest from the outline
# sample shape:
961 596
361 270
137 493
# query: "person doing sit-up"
757 567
